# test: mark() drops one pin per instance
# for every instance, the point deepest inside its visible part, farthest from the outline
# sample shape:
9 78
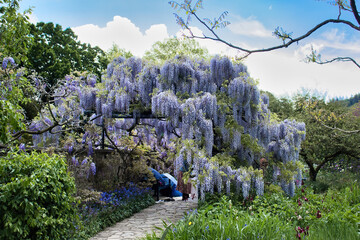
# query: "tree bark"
313 173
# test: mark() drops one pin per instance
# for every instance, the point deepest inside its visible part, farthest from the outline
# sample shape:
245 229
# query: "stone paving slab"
145 221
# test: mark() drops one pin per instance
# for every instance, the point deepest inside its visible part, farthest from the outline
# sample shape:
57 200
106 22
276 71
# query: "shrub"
36 197
335 179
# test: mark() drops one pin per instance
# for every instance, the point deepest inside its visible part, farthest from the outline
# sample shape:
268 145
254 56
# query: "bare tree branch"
284 45
51 113
331 157
339 129
354 10
112 142
338 59
50 128
287 40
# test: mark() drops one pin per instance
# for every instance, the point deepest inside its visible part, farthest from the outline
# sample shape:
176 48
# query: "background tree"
325 141
350 101
56 52
171 47
115 51
283 107
14 31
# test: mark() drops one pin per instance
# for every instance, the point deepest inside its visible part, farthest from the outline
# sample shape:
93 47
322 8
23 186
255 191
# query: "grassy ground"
331 212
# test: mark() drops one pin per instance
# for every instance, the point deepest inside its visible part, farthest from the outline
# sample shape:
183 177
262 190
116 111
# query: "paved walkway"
145 221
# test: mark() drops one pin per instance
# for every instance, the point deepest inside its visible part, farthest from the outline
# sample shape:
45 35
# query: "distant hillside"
354 99
350 101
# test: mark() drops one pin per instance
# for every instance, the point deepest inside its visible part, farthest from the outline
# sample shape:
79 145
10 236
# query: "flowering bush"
112 207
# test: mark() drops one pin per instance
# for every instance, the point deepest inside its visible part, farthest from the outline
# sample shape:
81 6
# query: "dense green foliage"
36 197
326 143
283 107
56 52
45 48
10 118
337 176
14 89
14 30
334 215
115 51
354 99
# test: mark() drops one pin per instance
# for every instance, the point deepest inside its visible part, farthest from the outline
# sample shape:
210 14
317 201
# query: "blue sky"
136 24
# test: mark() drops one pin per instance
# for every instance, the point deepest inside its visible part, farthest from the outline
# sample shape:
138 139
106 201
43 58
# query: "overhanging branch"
285 45
339 129
338 59
354 10
287 41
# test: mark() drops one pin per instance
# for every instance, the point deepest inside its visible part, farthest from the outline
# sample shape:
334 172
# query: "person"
184 188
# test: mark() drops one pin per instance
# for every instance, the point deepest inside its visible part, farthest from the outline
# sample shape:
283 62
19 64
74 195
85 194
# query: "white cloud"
331 44
33 18
249 27
214 47
334 35
122 32
282 73
303 51
339 41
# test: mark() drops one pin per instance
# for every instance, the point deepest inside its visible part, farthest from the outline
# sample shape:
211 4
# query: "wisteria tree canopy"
188 110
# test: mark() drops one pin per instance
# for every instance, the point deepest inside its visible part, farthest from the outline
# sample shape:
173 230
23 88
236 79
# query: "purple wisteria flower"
91 150
93 168
74 161
19 75
70 149
85 161
22 147
6 60
91 80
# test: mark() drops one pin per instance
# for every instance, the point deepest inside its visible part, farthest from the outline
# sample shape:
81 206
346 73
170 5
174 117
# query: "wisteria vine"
207 108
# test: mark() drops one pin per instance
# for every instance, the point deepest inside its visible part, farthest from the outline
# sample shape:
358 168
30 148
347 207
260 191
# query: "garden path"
146 220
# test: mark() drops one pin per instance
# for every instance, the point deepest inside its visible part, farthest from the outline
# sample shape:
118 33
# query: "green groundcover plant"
36 197
333 215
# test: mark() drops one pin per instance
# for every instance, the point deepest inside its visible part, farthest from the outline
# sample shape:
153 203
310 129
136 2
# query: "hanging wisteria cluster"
212 107
210 177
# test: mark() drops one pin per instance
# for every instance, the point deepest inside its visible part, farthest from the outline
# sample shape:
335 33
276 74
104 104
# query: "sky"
137 24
